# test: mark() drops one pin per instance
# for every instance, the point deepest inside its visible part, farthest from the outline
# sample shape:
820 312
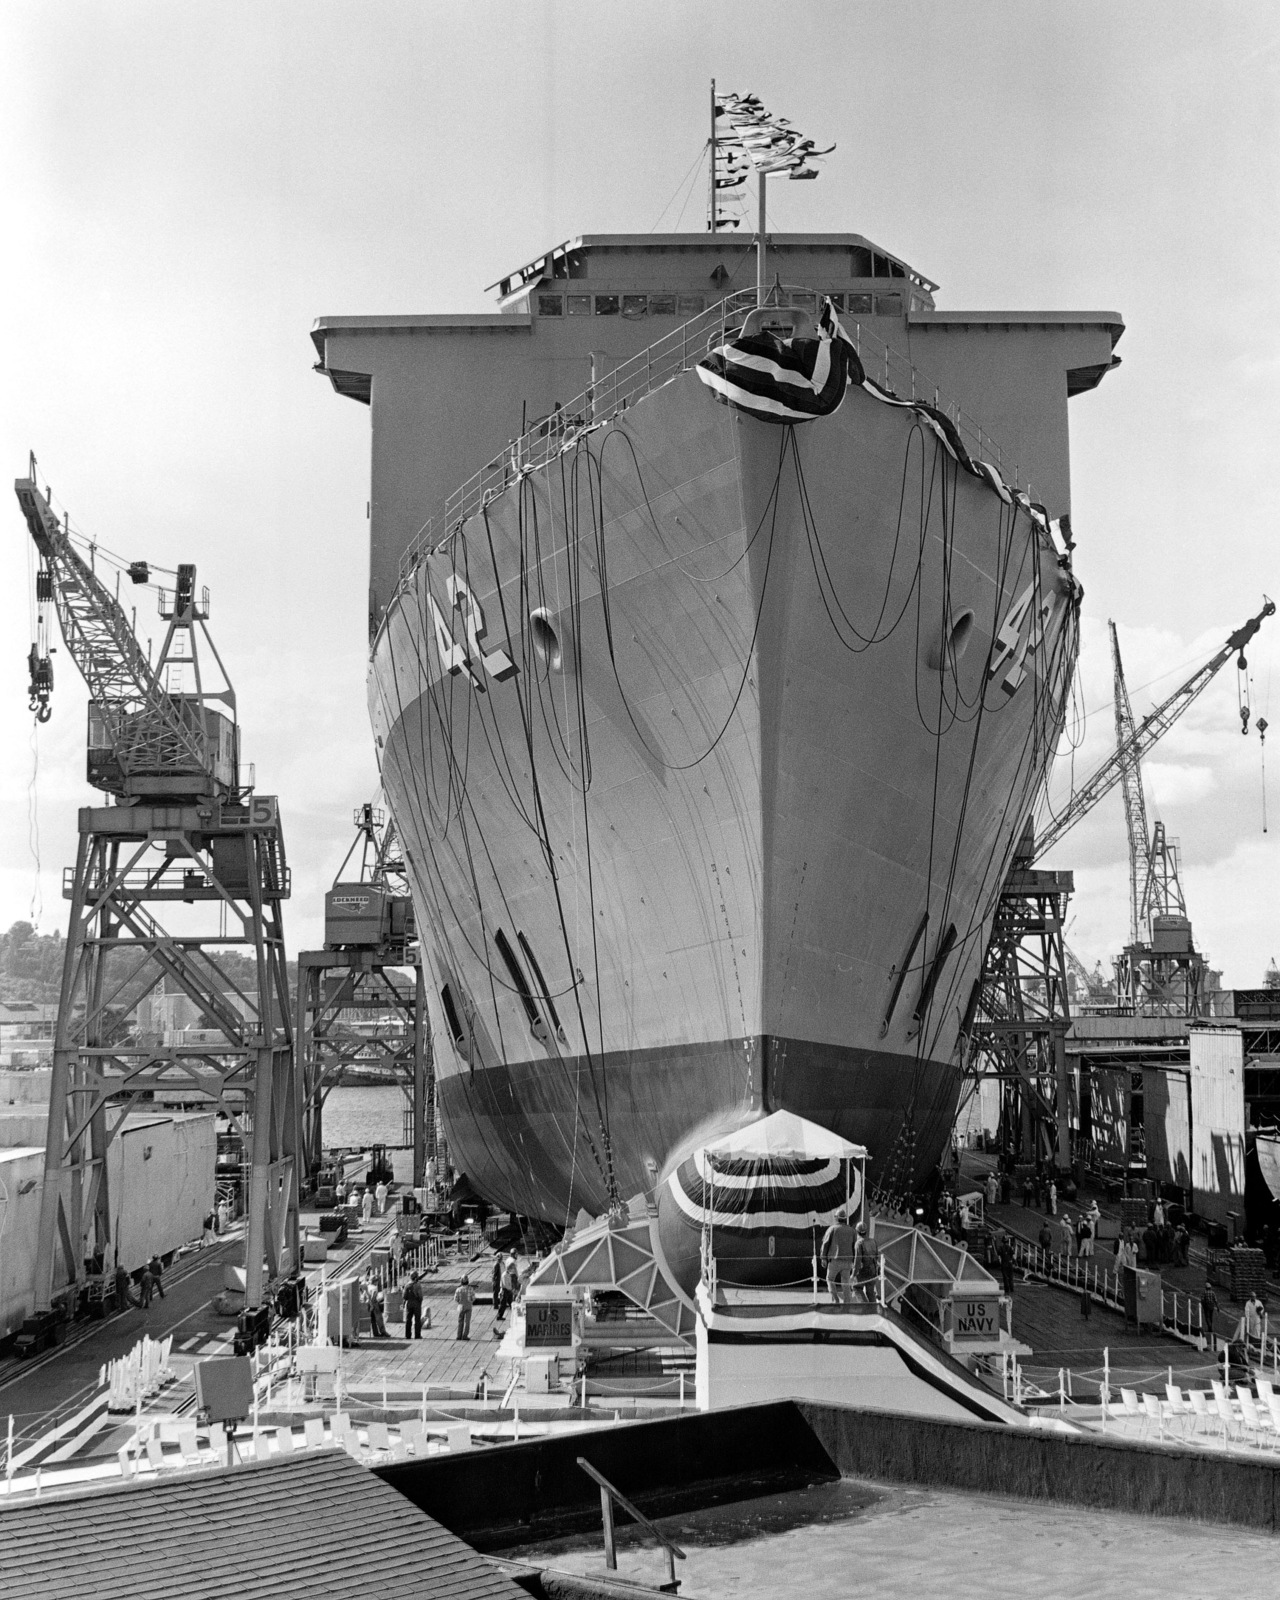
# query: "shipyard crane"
362 998
1134 743
186 839
1135 800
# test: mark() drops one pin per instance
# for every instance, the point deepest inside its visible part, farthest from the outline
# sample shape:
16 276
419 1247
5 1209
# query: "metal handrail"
676 352
607 1494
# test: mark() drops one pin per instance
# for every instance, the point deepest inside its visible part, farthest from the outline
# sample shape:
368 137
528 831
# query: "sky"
187 186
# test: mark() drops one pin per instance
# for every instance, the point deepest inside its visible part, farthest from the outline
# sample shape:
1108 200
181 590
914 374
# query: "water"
365 1115
899 1543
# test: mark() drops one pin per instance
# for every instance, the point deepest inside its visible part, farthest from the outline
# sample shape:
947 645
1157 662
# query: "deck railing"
609 394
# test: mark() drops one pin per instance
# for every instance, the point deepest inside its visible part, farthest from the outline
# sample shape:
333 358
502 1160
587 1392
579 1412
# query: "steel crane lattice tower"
185 866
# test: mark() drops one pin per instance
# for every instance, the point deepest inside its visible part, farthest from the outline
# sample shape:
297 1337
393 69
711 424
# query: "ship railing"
610 393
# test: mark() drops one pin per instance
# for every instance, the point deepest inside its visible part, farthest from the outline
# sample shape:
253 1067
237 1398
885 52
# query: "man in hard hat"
838 1244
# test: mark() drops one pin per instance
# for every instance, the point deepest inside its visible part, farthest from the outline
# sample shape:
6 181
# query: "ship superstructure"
709 739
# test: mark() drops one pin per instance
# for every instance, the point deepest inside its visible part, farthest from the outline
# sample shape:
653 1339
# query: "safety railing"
608 1495
609 394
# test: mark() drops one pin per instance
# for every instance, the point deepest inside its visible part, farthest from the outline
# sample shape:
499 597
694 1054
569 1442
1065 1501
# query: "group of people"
374 1200
150 1284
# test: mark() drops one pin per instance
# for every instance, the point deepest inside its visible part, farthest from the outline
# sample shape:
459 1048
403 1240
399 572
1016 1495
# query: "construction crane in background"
362 1000
183 839
1019 1012
1135 800
1150 731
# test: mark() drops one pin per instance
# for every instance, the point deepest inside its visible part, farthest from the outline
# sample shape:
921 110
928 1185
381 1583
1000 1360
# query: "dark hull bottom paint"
528 1135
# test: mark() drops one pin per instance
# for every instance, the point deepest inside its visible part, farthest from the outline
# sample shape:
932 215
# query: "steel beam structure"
1022 1013
357 1009
215 871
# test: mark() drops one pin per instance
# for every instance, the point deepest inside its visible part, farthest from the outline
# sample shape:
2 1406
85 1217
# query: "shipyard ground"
60 1416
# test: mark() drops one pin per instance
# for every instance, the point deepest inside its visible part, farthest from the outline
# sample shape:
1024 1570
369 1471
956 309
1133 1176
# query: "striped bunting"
797 380
784 380
763 1196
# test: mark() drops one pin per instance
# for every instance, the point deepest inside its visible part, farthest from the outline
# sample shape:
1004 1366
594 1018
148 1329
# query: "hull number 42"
469 656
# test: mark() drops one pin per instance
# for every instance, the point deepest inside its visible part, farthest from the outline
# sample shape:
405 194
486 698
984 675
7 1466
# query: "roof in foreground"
308 1528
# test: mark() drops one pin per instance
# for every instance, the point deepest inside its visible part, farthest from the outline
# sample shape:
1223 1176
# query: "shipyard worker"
1053 1198
1004 1254
464 1299
209 1233
497 1285
1028 1191
1045 1238
157 1275
1085 1236
224 1216
373 1299
992 1189
380 1194
366 1204
837 1250
1255 1319
397 1254
123 1298
510 1282
864 1263
1208 1311
147 1285
413 1308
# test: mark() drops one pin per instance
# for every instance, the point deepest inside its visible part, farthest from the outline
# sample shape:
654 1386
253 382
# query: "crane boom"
1135 801
1147 733
143 736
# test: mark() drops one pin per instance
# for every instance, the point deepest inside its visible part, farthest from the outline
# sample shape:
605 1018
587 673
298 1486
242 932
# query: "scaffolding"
1022 1012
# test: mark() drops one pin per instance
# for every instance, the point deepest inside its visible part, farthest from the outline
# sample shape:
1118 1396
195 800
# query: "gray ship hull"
781 702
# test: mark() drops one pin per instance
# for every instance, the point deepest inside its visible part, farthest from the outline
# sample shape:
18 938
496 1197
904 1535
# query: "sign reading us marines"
469 656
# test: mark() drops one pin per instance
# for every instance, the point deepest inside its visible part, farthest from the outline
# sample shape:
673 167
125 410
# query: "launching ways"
901 1350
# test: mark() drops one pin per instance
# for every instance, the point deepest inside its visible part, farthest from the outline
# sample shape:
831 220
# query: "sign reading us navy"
548 1325
976 1321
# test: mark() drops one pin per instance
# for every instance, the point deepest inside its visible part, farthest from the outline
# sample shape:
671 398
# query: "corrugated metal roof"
303 1529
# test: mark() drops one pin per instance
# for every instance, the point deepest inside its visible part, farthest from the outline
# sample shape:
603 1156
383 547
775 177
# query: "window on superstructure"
837 301
635 305
888 305
551 305
802 300
860 262
662 305
859 305
578 305
689 305
606 305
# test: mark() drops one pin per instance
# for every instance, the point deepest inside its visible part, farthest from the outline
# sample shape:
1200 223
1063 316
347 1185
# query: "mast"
711 177
760 245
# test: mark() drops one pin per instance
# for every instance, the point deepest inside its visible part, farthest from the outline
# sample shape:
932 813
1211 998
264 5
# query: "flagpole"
760 246
711 205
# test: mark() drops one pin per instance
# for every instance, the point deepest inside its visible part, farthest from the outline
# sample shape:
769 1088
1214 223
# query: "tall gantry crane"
181 838
361 1000
1019 1011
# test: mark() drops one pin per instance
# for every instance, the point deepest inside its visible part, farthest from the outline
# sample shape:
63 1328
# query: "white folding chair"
351 1444
1177 1409
1155 1412
1133 1407
1200 1408
1251 1418
126 1461
1230 1419
262 1447
413 1435
314 1432
1265 1391
379 1438
155 1454
340 1424
284 1441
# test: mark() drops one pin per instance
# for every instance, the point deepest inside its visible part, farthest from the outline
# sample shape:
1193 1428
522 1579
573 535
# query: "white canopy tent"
783 1136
